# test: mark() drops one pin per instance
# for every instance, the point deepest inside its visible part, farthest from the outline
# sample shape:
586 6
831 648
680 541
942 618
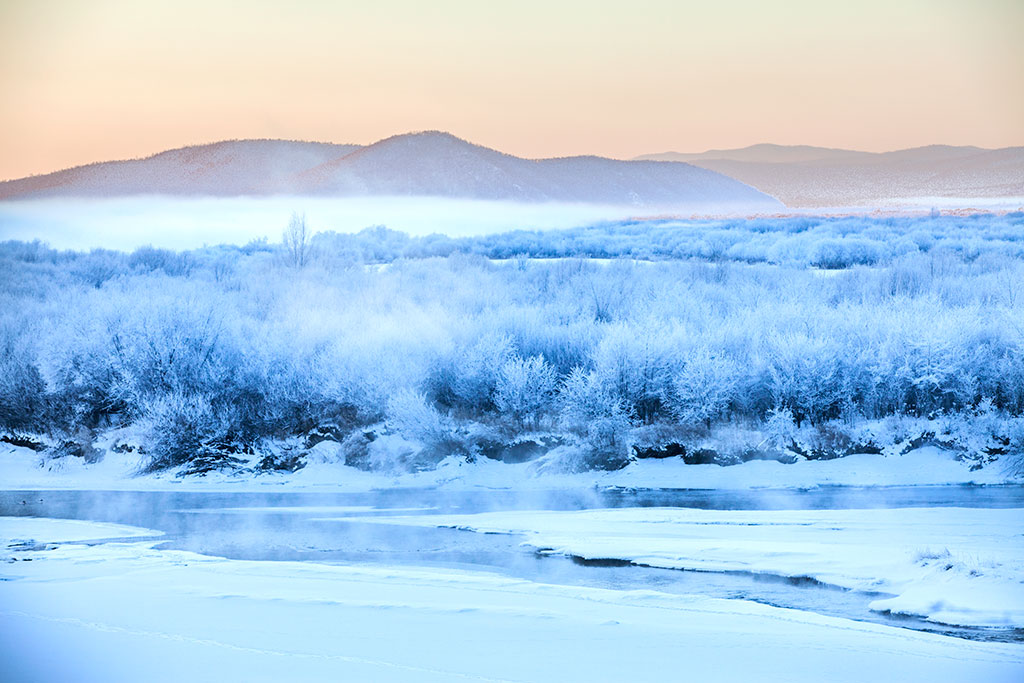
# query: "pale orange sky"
92 80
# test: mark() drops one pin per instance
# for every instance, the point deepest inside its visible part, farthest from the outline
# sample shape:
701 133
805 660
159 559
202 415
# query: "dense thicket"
831 243
216 349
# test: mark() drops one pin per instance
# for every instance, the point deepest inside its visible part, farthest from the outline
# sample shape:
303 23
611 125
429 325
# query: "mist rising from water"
186 223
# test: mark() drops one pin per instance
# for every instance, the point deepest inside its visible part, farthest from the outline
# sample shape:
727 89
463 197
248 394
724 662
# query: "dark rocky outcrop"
702 456
211 461
282 462
327 432
78 447
669 450
519 451
23 442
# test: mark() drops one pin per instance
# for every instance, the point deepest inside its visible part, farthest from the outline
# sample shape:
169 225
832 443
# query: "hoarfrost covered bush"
836 242
465 378
410 415
186 430
416 421
781 428
983 435
525 389
803 375
835 254
598 417
1014 463
23 401
703 387
633 364
453 349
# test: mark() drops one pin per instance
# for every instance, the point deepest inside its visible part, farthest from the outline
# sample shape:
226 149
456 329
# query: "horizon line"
639 157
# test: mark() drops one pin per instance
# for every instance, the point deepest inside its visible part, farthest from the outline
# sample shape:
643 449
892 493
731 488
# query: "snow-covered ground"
959 566
121 611
21 468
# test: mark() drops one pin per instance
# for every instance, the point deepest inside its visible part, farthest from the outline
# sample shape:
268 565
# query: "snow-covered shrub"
395 453
835 439
1014 456
76 363
633 364
412 418
410 415
703 387
781 427
805 376
600 420
23 404
981 434
327 452
148 259
185 430
99 266
833 253
898 430
525 389
466 379
741 327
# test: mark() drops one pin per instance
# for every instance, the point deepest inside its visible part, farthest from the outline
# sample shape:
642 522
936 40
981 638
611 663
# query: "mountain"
803 176
762 153
440 164
431 164
233 167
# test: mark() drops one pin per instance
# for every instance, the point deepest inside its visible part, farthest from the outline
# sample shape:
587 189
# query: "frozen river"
353 528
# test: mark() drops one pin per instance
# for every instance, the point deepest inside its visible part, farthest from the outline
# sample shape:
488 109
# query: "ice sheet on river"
114 612
960 566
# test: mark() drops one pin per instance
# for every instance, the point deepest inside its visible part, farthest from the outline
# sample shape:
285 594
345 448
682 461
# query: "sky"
84 81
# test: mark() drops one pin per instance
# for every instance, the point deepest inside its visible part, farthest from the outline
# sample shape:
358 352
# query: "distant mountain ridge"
221 168
763 152
807 177
432 164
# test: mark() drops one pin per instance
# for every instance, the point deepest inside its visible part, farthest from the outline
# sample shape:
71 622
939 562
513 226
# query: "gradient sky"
88 80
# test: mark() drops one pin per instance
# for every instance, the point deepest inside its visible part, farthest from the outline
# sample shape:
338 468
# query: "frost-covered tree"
465 378
728 319
410 416
597 416
703 387
632 362
525 389
184 429
805 376
296 240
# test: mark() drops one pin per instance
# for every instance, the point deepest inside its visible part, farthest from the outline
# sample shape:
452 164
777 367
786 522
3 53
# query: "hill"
431 164
808 177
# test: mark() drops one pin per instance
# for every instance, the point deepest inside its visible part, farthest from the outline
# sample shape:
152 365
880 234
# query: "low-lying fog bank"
190 223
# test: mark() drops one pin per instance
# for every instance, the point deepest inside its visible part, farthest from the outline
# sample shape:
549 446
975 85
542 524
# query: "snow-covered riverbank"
22 468
107 612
